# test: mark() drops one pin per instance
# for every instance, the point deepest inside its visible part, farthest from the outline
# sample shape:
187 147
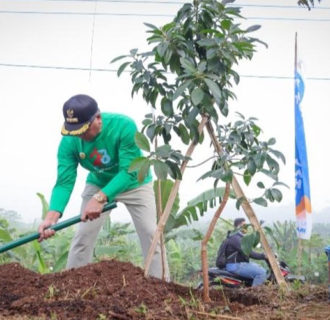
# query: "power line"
271 6
86 13
288 19
148 15
30 66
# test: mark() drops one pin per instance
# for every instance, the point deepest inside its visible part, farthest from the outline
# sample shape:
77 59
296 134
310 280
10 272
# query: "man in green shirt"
102 143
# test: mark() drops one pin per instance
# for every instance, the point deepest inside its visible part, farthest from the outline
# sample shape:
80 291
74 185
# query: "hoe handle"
56 227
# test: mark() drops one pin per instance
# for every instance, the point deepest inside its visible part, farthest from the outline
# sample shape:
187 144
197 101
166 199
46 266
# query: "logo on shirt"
100 156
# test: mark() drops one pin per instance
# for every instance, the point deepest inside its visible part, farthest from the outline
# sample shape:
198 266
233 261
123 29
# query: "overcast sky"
44 44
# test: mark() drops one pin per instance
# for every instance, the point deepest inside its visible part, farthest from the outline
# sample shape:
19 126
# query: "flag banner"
303 199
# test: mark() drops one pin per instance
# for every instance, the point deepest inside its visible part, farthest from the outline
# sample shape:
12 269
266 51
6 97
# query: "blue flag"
303 198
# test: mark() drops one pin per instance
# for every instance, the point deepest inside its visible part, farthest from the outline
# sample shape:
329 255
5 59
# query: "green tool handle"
56 227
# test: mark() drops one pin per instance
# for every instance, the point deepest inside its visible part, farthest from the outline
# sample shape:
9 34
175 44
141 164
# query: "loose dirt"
118 290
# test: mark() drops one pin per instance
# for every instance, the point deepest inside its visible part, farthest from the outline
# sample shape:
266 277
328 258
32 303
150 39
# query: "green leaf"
239 202
253 28
225 24
214 88
206 42
137 163
142 141
278 155
281 184
197 96
251 166
247 177
260 202
188 65
174 171
256 238
260 185
227 176
5 236
147 122
277 194
167 107
184 135
122 68
118 58
160 169
202 66
61 262
44 204
163 151
151 131
272 164
161 48
143 172
165 190
181 89
271 141
269 174
151 26
42 268
247 243
256 130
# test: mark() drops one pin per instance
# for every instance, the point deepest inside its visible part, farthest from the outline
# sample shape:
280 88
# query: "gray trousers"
140 203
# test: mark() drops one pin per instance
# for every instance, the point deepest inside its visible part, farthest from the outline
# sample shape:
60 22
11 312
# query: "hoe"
56 227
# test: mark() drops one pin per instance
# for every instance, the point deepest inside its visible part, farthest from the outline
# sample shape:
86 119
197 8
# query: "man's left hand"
92 210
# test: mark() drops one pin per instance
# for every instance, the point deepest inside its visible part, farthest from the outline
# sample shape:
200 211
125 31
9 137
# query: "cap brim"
74 130
69 129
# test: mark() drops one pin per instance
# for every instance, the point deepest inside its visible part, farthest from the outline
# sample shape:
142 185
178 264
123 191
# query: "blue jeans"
249 270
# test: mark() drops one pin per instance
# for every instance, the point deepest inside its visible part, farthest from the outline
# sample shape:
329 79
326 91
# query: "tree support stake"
205 267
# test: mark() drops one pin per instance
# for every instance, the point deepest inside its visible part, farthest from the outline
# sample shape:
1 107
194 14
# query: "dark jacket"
234 253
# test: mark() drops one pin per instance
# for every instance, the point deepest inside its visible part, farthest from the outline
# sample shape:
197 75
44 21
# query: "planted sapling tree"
188 78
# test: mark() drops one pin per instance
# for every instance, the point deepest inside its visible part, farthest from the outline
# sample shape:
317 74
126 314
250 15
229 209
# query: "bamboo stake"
162 243
163 219
205 267
251 216
159 214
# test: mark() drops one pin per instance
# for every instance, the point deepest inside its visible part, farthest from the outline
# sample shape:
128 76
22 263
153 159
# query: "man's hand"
92 210
51 218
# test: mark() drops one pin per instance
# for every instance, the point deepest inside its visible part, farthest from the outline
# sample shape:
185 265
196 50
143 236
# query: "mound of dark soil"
118 290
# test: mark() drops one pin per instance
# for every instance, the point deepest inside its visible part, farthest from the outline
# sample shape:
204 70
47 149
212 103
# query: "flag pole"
299 251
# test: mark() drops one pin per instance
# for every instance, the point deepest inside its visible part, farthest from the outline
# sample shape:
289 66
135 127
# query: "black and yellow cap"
79 112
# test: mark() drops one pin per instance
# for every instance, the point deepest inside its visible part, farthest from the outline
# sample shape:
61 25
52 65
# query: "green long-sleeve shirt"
107 158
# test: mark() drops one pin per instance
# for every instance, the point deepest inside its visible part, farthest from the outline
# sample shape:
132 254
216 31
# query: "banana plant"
194 209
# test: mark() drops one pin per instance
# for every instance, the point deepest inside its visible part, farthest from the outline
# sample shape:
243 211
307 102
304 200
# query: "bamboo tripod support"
239 194
251 216
205 267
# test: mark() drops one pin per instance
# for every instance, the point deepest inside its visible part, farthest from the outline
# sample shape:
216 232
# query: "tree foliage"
190 73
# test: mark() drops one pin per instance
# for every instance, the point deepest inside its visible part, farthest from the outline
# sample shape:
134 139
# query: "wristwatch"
100 198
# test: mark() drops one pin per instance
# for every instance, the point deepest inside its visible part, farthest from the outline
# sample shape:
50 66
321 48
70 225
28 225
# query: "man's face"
243 227
93 130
